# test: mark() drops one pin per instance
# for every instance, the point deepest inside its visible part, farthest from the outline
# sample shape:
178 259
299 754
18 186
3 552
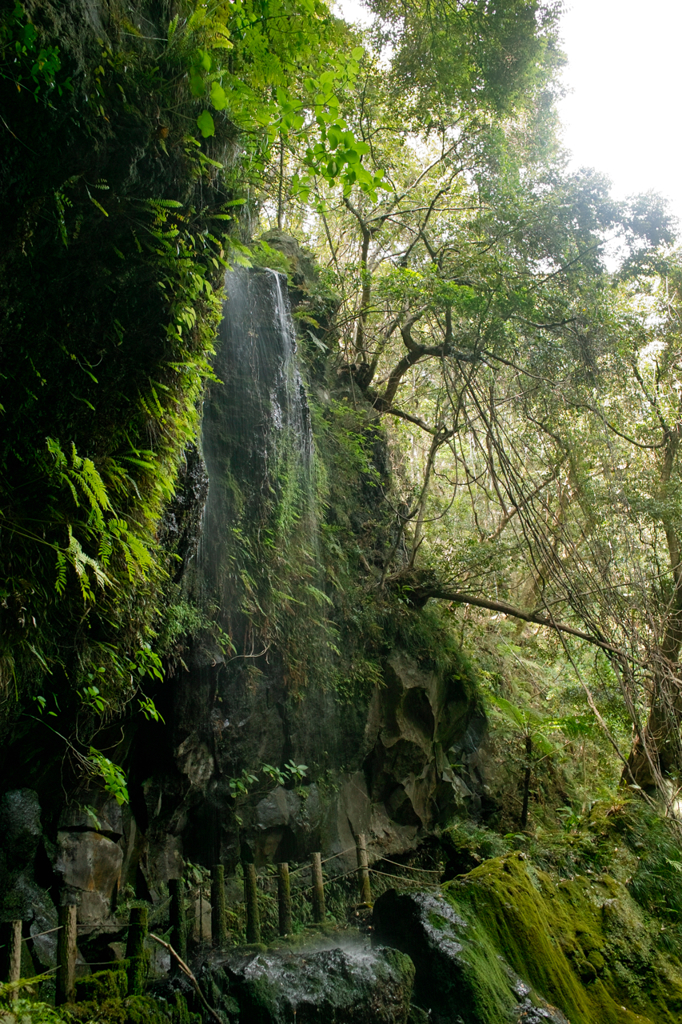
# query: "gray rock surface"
546 1014
416 726
20 828
355 985
96 812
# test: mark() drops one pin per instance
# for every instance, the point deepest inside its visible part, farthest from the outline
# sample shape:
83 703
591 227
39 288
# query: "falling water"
256 435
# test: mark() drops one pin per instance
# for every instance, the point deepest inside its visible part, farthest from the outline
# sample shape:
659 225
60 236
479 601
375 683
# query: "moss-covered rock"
102 986
581 943
459 975
106 1007
133 1010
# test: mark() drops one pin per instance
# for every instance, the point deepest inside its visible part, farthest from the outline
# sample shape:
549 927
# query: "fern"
81 562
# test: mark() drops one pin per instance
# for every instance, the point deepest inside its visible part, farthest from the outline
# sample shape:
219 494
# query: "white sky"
625 73
623 115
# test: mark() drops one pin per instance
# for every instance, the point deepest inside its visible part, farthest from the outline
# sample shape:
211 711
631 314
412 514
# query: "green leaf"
197 84
218 97
206 124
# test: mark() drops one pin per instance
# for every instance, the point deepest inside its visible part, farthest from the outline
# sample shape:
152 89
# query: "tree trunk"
66 954
526 782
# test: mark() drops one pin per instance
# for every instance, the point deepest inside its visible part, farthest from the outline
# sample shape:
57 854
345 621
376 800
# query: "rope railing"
405 881
409 867
285 889
334 856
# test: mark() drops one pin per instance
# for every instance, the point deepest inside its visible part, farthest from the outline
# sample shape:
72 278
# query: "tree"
477 313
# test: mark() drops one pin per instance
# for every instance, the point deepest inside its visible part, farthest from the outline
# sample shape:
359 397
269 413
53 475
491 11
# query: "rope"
351 849
30 938
406 867
384 874
327 881
404 881
307 867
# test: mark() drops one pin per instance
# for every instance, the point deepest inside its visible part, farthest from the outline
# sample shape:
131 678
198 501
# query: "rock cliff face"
379 762
386 767
380 765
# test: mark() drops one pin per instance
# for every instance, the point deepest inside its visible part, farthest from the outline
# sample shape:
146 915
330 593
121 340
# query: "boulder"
459 977
355 985
89 861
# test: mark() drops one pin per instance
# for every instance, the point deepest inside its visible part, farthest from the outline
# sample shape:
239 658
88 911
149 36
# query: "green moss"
102 996
102 986
403 966
133 1010
144 1010
466 844
582 942
111 1011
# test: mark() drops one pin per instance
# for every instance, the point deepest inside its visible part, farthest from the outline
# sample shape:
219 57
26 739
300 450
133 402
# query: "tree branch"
188 974
517 613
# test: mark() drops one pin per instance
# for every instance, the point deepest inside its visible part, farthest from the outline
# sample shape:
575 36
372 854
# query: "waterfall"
256 435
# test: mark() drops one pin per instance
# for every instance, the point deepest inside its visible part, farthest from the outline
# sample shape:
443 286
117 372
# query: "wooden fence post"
218 906
284 899
136 952
14 954
363 869
318 890
251 900
178 920
66 954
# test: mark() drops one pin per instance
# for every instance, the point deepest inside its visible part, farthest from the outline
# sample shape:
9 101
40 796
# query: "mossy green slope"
582 943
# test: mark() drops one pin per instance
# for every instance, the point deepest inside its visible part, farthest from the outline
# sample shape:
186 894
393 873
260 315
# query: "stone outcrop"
509 942
456 978
356 985
421 723
89 866
21 897
459 977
